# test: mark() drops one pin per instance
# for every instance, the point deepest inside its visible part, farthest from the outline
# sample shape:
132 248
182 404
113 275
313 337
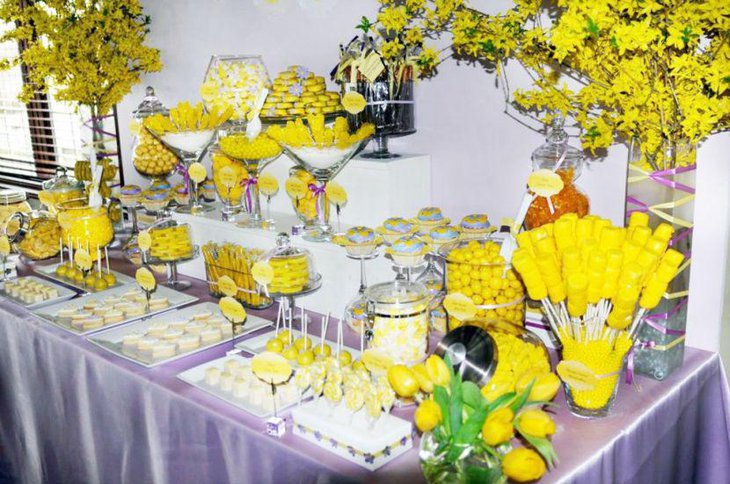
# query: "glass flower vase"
663 185
473 464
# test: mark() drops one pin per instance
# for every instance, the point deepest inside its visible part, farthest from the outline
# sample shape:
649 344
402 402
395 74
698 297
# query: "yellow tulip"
498 428
495 389
403 381
428 416
421 374
523 465
536 423
437 370
544 388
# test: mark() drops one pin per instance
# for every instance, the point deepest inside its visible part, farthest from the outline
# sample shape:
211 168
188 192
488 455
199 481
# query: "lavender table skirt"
71 412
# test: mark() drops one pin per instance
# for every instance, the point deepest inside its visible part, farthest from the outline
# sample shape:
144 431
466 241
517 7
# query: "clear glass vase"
473 464
662 184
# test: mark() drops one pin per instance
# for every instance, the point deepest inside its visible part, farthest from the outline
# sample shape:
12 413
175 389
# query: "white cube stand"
376 190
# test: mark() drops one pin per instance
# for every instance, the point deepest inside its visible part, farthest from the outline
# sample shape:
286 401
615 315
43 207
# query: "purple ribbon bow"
251 180
653 320
182 170
630 360
317 191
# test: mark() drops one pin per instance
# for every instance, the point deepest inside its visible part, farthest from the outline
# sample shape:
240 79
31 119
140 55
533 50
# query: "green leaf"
726 79
364 24
522 398
481 475
472 396
543 446
442 399
501 401
592 27
455 406
472 427
488 47
614 42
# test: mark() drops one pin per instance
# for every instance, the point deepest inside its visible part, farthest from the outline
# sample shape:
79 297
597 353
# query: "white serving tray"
50 272
111 339
196 377
257 344
175 299
352 436
64 293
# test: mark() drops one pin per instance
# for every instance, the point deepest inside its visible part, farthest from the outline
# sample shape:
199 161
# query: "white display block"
340 275
376 189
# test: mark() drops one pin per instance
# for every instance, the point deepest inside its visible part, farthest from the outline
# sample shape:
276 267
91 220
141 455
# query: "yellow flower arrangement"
646 70
89 51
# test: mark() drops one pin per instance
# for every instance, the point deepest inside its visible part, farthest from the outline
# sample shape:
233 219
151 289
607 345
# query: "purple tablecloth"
72 412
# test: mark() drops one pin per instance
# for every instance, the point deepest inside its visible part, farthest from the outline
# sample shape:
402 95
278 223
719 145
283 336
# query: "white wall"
480 156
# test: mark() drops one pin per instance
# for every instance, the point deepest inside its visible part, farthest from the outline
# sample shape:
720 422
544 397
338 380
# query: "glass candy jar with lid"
59 189
398 315
12 201
516 357
149 156
293 268
34 235
476 269
567 161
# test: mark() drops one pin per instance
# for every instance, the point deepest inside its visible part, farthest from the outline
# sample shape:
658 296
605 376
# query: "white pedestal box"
340 275
376 190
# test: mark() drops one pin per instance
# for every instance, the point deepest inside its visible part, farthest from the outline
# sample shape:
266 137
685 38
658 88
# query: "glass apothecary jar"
306 208
476 269
150 157
398 314
12 201
85 226
59 189
293 268
35 235
567 161
234 81
519 352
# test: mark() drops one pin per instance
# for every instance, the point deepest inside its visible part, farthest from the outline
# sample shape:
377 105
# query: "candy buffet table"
71 412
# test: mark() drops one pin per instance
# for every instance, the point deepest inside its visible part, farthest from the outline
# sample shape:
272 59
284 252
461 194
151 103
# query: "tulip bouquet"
596 282
468 438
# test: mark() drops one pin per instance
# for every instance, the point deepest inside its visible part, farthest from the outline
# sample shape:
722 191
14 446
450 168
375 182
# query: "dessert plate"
255 399
112 339
257 344
50 272
115 295
64 293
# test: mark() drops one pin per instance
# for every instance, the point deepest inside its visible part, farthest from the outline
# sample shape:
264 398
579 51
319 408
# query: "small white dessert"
240 387
172 334
188 342
231 366
163 349
146 343
226 381
194 327
157 330
210 335
131 340
213 376
113 316
201 316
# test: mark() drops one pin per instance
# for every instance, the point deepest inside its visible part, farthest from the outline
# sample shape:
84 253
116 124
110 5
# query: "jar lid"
284 248
61 182
9 196
150 105
548 155
472 352
397 293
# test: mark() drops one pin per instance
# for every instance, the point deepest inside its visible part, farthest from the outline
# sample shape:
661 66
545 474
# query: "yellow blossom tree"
638 69
91 51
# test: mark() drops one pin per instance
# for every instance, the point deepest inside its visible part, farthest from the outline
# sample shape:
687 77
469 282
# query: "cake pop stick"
60 245
98 260
106 258
322 332
291 325
362 338
339 338
279 315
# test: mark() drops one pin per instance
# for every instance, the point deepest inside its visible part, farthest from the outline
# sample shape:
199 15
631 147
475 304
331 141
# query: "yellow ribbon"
667 346
659 208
